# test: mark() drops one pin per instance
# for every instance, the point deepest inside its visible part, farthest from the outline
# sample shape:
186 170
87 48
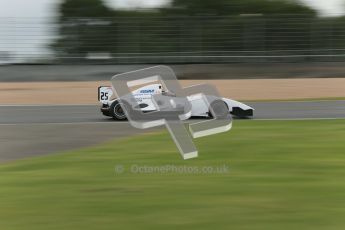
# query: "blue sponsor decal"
147 91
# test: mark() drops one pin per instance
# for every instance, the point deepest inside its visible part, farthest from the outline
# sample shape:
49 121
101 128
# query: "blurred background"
225 38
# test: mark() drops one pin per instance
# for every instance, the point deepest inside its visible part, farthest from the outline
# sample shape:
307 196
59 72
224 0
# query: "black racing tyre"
116 110
219 107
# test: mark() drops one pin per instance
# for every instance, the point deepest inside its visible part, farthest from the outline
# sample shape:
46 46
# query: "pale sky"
43 8
325 7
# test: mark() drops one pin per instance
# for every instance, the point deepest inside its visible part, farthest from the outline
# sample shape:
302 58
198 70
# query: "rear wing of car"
104 94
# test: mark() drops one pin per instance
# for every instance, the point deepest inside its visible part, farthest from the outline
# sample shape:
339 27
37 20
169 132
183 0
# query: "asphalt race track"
37 130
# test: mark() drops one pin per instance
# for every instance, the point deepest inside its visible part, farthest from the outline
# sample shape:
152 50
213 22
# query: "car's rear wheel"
117 110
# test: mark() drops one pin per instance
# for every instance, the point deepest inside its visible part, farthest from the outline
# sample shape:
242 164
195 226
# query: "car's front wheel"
241 113
117 111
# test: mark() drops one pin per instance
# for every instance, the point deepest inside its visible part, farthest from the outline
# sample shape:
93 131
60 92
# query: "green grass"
283 175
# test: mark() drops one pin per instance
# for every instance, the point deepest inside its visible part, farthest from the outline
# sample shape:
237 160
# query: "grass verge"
282 175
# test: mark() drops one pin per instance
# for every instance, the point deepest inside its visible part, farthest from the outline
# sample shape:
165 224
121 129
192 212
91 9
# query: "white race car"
111 106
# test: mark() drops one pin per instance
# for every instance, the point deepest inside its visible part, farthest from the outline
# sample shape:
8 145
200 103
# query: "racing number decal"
104 96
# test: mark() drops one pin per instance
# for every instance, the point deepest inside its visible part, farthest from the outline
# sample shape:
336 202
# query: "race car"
112 107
